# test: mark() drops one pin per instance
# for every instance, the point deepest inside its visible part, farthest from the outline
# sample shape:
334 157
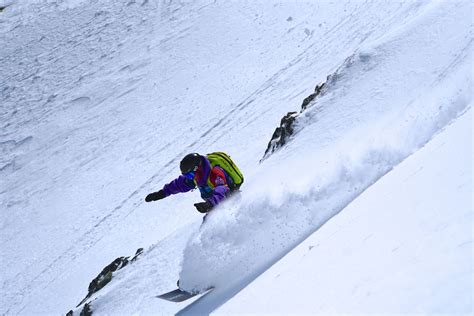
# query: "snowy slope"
101 100
355 133
403 246
349 138
99 103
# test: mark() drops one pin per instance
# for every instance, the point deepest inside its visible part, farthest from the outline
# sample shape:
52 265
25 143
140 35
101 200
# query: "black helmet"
189 163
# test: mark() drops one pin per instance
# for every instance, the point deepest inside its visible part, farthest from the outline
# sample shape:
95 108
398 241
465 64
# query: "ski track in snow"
46 65
57 101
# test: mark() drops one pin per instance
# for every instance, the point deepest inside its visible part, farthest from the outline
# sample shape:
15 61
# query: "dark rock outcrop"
4 6
86 311
282 134
103 278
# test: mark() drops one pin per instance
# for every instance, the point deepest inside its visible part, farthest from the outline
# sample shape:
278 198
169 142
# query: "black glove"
155 196
204 207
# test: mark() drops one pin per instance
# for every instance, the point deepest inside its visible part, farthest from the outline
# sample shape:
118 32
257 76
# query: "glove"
204 207
155 196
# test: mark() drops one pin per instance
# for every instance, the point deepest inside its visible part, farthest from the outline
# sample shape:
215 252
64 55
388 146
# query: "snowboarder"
215 174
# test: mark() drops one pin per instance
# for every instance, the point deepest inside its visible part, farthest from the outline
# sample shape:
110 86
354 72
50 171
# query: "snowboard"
179 295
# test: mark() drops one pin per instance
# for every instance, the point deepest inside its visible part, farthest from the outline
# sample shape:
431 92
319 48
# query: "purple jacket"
216 175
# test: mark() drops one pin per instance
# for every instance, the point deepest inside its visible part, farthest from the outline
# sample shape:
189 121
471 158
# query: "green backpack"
225 162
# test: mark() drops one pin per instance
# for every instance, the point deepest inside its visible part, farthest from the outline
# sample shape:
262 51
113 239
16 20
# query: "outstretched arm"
178 185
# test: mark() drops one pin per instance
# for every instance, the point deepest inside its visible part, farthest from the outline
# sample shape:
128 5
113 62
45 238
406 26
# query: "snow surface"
100 101
403 246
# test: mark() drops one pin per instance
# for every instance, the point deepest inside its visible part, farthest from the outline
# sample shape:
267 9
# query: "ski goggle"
190 175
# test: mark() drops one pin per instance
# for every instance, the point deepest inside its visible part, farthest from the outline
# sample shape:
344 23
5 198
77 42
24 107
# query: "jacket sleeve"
221 189
179 185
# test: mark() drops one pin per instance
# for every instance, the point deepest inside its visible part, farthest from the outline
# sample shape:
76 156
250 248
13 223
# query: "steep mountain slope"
403 246
353 134
101 100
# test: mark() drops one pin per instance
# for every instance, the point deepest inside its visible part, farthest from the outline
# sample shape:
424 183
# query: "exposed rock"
86 311
317 91
105 276
282 133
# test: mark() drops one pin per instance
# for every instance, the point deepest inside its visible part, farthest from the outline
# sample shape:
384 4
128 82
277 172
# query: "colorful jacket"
212 183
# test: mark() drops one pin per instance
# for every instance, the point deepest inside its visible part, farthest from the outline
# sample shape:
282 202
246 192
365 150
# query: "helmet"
190 162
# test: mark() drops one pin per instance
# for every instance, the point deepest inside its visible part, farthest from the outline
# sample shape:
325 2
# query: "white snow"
345 144
100 100
403 246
